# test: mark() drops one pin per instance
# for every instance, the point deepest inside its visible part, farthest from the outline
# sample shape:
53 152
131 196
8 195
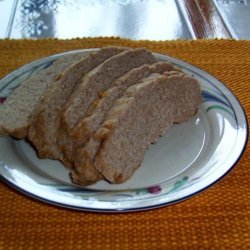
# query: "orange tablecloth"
216 219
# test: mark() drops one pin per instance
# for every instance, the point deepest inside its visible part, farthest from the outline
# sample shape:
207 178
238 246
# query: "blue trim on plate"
47 64
223 95
207 96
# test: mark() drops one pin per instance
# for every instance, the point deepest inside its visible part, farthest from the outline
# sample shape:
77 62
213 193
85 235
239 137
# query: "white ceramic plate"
188 159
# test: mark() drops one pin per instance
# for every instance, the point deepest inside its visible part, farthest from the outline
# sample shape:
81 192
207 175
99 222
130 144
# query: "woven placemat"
216 219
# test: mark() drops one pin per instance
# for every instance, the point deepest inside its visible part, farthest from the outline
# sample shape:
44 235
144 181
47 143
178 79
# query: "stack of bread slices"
98 112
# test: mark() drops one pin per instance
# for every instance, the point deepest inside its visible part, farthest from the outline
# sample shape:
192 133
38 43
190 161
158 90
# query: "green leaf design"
219 107
179 184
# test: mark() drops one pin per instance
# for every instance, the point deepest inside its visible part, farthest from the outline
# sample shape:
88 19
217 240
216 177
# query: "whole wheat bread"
101 112
137 119
85 150
94 83
16 111
97 111
84 172
43 127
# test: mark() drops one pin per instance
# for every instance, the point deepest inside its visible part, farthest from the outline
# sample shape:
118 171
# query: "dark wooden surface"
204 18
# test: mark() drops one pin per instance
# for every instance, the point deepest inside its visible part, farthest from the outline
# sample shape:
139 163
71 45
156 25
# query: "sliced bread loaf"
136 120
84 168
43 127
91 87
16 111
85 146
97 111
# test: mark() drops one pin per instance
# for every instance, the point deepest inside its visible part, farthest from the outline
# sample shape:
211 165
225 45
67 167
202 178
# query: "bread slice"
136 120
43 127
97 111
16 111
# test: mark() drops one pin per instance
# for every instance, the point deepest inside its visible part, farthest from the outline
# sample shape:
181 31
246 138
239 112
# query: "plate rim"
138 208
